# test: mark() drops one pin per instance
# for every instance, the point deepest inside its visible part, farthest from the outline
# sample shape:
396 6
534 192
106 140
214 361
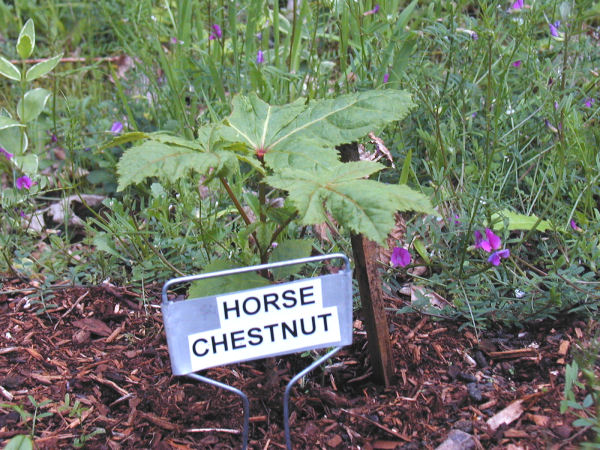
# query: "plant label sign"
258 323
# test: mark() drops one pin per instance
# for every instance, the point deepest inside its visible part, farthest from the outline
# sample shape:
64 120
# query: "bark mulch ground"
99 361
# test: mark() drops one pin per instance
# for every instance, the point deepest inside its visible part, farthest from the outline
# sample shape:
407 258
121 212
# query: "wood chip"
513 354
563 349
506 416
93 325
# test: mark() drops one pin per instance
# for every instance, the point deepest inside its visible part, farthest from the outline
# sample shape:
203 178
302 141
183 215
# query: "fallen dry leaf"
506 416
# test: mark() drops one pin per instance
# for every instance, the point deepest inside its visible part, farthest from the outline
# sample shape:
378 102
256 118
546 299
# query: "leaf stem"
235 201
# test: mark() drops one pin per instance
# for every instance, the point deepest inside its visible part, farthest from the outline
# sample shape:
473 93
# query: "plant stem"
235 201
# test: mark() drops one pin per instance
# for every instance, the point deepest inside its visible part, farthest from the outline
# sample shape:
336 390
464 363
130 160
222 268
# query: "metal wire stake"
245 402
288 389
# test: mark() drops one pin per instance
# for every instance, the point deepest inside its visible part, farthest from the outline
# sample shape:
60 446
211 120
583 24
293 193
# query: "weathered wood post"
371 295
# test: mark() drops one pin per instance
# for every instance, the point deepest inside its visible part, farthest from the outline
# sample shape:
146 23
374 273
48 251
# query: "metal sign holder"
346 275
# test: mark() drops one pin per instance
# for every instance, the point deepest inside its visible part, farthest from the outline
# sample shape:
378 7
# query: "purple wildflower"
400 257
492 242
456 220
550 126
555 105
474 36
174 40
517 5
554 28
495 257
516 63
116 128
375 10
260 57
24 182
574 225
217 33
53 138
386 77
6 154
589 102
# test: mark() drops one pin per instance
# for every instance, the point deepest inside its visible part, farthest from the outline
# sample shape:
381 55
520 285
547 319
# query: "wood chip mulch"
97 364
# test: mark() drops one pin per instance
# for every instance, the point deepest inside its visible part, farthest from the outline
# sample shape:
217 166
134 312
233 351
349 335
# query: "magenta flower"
260 57
456 220
574 225
554 28
555 105
517 5
386 77
400 257
116 128
6 154
495 257
375 10
517 63
53 138
589 102
492 242
217 33
24 182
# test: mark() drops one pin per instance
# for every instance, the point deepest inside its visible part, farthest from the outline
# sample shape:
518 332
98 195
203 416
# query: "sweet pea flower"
554 29
400 257
457 220
516 6
492 242
24 182
574 225
6 154
116 128
260 57
386 77
375 10
217 33
517 63
495 257
589 102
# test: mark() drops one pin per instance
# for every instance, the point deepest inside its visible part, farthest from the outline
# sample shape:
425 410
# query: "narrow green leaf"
421 250
20 442
7 122
220 285
42 68
290 249
171 162
125 138
32 107
405 168
9 70
26 41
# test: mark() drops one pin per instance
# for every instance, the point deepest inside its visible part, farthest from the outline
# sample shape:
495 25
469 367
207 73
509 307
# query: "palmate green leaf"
171 162
304 136
365 206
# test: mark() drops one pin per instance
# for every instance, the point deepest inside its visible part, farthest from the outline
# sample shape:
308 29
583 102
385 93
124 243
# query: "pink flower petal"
494 240
400 257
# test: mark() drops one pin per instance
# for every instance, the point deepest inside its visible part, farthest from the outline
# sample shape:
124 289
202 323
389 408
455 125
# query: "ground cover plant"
189 136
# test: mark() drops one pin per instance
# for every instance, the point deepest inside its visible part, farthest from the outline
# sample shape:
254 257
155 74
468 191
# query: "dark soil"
108 353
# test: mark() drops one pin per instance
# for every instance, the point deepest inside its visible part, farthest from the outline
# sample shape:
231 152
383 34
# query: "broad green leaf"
20 442
365 206
26 41
9 70
7 122
14 140
518 221
155 159
291 249
42 68
305 136
32 107
27 163
220 285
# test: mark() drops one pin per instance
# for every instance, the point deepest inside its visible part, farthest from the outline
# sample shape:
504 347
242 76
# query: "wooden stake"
371 296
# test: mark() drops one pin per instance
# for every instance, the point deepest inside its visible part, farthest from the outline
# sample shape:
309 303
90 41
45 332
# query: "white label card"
266 321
